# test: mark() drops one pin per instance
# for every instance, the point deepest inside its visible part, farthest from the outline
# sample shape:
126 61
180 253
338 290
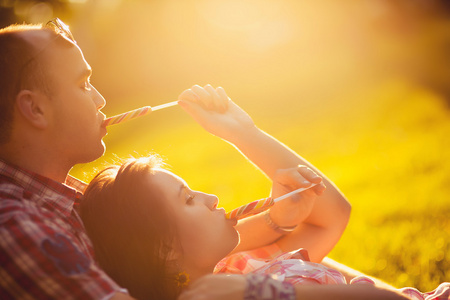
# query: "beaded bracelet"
278 229
264 287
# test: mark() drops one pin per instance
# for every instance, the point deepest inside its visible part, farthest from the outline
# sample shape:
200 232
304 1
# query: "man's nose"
99 101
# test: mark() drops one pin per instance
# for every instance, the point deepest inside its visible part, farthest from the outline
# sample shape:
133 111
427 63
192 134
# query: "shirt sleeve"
40 260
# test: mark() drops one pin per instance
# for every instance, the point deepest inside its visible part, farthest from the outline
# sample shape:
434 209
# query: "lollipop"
135 113
261 205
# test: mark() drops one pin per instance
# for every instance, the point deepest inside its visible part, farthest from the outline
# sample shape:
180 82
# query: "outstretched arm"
215 112
221 286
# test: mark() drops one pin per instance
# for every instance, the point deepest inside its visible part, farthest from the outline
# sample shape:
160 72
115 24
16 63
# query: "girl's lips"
233 221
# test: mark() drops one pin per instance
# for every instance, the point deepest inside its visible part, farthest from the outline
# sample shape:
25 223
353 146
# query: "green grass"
386 148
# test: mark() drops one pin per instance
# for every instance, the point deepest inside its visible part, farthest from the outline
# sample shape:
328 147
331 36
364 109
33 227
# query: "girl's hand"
295 209
214 111
216 287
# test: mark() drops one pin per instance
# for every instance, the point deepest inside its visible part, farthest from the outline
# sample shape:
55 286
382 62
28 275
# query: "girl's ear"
32 107
173 256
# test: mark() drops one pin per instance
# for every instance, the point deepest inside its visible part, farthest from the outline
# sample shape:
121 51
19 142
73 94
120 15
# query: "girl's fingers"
189 95
302 176
207 96
215 99
309 174
223 98
205 99
299 180
319 189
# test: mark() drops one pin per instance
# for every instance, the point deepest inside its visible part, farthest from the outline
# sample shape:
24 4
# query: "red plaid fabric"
44 250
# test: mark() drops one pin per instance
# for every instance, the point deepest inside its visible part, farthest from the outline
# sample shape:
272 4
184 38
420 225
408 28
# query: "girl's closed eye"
190 199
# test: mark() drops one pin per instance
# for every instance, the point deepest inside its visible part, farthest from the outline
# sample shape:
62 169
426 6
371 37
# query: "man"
50 120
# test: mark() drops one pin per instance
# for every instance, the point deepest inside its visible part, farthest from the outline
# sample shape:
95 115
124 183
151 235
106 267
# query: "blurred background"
359 88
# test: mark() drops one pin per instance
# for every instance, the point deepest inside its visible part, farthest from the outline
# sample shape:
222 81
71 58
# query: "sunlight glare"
263 24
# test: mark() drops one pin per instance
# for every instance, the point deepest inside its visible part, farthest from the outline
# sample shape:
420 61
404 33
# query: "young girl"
157 237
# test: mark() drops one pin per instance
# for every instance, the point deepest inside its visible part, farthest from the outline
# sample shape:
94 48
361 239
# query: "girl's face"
205 235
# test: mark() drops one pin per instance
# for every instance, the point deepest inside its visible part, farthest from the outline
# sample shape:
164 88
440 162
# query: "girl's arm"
224 287
346 292
215 112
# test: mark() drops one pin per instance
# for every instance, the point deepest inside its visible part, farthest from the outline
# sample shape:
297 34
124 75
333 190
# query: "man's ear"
31 106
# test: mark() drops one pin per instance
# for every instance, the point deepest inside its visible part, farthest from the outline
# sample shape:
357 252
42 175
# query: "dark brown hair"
131 229
19 69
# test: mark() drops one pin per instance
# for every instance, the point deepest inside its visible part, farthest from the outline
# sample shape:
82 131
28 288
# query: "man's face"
75 120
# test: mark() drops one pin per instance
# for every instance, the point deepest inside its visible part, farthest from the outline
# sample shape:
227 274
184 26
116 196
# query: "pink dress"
270 260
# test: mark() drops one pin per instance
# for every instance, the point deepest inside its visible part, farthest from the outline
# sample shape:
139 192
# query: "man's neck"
37 161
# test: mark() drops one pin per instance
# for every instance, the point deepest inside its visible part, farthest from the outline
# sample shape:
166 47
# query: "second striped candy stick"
261 205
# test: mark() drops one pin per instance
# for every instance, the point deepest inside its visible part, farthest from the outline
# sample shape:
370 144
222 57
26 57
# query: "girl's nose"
211 201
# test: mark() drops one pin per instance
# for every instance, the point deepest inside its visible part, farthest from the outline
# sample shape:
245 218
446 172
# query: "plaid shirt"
44 250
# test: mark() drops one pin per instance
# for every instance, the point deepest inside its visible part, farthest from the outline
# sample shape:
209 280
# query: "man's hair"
132 229
20 69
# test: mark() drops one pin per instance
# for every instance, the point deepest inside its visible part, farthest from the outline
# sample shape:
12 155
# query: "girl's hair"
129 225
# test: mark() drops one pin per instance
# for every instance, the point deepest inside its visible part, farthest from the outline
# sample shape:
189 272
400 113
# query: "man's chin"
94 154
101 151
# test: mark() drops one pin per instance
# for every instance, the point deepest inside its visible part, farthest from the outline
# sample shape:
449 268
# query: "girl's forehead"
168 176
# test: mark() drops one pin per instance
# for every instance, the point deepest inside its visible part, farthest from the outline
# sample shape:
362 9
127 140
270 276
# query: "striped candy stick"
250 209
261 205
135 113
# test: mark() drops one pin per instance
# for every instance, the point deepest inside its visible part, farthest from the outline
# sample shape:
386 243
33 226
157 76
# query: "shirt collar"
59 195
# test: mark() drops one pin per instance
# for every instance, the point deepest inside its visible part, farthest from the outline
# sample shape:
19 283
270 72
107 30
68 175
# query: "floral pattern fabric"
289 267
